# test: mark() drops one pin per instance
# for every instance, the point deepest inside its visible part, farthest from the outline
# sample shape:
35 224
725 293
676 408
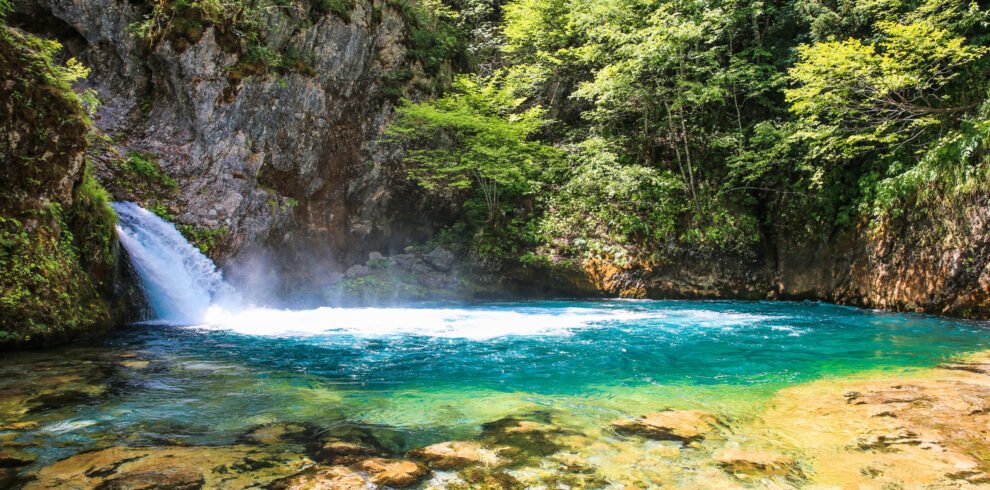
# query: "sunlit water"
428 374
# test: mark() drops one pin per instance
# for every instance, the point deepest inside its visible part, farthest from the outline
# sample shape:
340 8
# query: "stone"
527 438
924 431
491 480
356 271
393 472
756 463
279 432
669 425
441 259
512 425
20 426
455 454
135 364
7 477
12 458
323 478
166 478
338 452
119 467
374 256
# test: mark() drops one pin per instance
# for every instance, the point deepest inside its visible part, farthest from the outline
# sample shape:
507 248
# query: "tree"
474 139
854 97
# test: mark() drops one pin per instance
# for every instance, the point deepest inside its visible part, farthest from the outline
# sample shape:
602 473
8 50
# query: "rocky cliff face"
285 161
57 244
923 264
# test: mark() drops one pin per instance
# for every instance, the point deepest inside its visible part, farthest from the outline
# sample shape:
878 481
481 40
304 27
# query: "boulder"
757 463
279 432
339 452
441 259
525 437
323 478
170 478
455 454
12 458
669 425
393 472
228 467
357 270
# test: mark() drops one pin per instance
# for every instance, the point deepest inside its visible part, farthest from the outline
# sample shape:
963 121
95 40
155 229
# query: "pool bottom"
878 428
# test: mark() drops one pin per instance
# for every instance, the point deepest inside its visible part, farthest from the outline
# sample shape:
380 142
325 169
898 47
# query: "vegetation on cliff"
56 228
710 126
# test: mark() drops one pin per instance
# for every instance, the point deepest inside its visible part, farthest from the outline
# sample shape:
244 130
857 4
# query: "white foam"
467 323
179 281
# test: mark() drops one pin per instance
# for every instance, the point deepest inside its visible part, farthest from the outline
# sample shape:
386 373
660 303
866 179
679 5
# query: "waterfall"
179 281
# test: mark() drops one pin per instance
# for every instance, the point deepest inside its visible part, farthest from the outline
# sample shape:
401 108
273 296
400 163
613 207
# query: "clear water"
433 373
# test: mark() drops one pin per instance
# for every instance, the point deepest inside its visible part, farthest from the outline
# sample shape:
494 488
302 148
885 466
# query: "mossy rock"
57 241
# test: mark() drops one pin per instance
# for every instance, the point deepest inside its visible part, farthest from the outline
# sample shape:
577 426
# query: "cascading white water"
180 282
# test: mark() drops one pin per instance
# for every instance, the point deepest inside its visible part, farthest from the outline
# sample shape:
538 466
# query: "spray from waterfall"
180 282
185 288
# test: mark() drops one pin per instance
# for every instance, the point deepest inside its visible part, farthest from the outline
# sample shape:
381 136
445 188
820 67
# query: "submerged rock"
393 472
456 454
919 432
492 480
12 458
279 432
232 467
165 478
669 425
338 452
531 438
757 463
323 478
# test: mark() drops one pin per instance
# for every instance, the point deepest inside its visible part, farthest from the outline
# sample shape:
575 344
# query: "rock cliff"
920 263
57 245
248 158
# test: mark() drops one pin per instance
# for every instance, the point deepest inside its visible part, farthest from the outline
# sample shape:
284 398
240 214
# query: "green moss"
45 293
433 40
142 170
207 240
56 238
340 8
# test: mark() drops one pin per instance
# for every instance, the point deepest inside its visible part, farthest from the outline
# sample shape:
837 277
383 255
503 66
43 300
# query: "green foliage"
56 250
207 240
485 146
853 97
623 212
340 8
957 165
43 290
243 26
434 39
707 125
94 222
144 166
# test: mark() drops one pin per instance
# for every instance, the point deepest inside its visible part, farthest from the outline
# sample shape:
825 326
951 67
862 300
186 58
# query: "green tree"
854 97
474 139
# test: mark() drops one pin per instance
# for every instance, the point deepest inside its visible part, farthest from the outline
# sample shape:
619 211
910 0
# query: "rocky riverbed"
926 428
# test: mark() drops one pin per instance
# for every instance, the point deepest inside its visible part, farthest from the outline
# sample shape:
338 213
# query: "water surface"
426 374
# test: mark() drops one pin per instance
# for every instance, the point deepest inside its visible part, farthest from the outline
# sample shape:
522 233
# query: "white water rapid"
180 282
